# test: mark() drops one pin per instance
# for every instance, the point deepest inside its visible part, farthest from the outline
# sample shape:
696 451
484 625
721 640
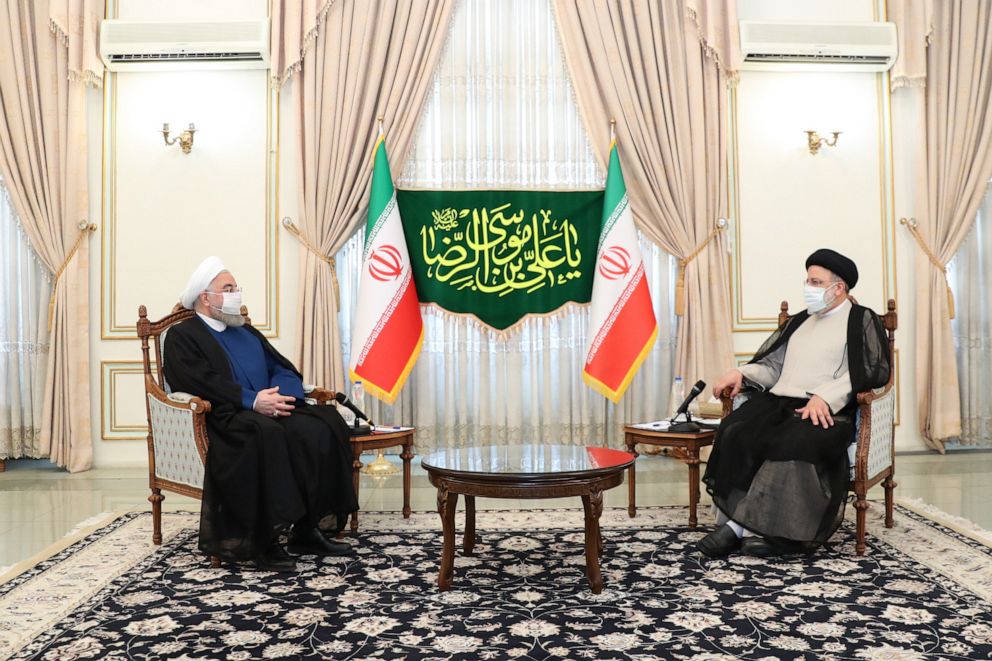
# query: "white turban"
200 280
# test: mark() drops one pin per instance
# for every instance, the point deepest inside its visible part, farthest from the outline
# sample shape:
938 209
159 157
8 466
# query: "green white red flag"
622 326
388 329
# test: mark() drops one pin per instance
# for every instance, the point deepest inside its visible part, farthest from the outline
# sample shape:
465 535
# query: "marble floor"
40 504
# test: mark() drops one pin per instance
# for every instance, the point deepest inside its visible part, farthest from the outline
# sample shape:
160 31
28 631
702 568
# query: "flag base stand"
380 467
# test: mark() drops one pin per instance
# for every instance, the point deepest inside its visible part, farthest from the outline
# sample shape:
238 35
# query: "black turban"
836 263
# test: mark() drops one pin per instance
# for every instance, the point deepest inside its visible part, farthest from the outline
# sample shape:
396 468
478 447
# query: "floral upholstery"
176 456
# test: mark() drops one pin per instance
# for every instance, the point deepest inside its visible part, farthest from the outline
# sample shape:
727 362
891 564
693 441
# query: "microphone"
688 426
343 400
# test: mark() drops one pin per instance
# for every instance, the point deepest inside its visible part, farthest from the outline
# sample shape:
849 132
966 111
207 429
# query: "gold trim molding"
110 428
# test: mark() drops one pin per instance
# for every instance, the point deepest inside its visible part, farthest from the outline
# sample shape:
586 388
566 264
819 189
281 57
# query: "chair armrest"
319 395
868 396
875 432
181 401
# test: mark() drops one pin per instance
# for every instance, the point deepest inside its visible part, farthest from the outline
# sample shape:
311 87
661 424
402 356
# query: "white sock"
737 528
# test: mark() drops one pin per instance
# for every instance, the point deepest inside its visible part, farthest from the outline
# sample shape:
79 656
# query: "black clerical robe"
262 474
783 477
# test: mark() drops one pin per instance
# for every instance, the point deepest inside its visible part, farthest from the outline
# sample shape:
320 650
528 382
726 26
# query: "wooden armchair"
177 428
872 453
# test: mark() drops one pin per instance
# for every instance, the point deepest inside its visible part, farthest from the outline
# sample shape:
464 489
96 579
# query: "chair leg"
861 507
889 485
156 500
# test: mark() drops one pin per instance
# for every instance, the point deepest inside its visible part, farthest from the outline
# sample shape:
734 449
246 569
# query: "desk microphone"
343 400
688 425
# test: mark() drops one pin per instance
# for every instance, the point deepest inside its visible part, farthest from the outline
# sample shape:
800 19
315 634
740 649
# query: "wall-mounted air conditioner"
779 46
166 45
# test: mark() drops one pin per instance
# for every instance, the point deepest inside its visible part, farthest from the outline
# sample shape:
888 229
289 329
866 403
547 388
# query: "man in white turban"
275 464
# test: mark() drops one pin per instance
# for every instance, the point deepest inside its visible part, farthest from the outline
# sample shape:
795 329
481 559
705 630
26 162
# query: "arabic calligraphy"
493 250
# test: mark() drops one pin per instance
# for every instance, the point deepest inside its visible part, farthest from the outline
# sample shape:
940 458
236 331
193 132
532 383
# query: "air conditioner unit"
779 46
168 45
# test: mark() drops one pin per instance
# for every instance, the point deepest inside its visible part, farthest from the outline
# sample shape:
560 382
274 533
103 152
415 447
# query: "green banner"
501 255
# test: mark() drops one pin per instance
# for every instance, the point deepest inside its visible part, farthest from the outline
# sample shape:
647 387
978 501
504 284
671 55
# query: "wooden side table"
360 444
685 446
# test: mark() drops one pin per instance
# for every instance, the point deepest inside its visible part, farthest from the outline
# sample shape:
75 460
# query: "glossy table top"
527 459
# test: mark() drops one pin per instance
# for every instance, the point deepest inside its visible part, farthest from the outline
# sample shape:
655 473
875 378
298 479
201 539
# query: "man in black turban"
779 469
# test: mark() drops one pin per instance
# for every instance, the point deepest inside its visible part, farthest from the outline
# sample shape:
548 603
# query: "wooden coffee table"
524 471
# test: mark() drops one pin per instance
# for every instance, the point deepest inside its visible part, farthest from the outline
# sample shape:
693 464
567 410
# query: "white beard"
234 320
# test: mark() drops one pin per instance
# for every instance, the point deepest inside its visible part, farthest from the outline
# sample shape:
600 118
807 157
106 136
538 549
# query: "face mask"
816 298
231 304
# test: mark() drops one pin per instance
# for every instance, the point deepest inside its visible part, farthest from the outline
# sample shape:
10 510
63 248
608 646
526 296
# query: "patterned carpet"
923 591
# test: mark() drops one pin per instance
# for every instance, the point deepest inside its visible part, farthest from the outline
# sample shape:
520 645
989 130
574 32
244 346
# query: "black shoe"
719 543
759 547
275 558
311 541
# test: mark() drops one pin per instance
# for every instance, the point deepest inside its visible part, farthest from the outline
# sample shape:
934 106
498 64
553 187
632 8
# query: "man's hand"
733 380
270 403
817 410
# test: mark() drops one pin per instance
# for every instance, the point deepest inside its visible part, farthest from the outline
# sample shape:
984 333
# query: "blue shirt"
253 367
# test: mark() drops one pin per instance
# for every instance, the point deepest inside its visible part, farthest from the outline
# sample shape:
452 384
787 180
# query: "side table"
360 444
686 447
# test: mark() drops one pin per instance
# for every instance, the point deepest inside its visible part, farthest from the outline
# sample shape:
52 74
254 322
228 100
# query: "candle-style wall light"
185 139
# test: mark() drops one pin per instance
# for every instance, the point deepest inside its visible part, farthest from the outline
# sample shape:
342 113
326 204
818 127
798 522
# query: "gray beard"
234 320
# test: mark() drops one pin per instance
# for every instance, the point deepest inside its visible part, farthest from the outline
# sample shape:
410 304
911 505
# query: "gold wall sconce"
815 141
185 139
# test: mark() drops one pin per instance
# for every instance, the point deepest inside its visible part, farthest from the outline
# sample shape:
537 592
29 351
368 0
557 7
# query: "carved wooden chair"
872 453
177 428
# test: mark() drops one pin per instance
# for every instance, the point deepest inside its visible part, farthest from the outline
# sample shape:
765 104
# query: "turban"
843 267
200 280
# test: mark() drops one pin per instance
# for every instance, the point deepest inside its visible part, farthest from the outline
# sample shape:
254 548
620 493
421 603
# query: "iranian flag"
622 326
388 329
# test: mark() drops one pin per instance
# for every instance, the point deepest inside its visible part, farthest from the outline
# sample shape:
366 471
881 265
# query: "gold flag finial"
379 120
613 130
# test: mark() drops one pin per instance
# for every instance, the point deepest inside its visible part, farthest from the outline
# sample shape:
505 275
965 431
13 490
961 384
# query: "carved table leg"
356 480
693 460
593 506
406 457
468 539
446 502
631 491
156 500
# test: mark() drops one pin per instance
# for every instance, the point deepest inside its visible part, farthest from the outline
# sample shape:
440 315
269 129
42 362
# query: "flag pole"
613 131
379 121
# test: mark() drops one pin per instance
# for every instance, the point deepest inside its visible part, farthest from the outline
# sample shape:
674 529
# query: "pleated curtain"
47 60
955 100
348 62
661 70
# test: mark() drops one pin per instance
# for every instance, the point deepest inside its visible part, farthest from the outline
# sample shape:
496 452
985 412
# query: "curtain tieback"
684 261
288 223
911 225
85 229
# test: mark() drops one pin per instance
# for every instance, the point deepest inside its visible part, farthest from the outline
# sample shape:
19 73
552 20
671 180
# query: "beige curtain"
293 32
914 29
370 59
956 167
660 69
43 164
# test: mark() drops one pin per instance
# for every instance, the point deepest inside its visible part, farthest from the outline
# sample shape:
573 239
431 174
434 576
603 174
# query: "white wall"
161 211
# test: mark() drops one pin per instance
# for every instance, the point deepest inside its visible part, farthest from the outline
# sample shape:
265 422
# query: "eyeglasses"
816 282
228 289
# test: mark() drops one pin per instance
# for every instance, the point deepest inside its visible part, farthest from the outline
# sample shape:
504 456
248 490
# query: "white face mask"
231 304
816 298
